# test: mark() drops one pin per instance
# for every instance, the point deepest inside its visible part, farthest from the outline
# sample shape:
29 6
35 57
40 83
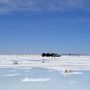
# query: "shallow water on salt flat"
42 79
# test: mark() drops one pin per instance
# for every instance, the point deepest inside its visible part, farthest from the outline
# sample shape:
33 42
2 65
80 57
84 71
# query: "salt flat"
56 63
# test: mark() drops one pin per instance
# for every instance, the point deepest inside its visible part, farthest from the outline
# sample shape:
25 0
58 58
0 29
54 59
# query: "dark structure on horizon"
50 55
57 55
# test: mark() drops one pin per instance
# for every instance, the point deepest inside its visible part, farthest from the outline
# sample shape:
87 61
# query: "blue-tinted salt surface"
42 79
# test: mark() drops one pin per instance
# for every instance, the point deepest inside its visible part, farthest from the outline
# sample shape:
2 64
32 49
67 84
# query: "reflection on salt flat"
36 79
12 74
43 79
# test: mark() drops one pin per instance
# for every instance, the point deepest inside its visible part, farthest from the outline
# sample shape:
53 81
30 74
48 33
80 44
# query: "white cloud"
35 79
43 5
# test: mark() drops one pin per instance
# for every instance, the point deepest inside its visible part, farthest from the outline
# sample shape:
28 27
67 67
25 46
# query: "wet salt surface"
42 79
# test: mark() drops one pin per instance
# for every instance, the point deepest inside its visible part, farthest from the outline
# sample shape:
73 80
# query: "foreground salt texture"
56 63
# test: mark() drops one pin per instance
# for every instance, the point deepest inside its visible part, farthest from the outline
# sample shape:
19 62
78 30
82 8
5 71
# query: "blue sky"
36 26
